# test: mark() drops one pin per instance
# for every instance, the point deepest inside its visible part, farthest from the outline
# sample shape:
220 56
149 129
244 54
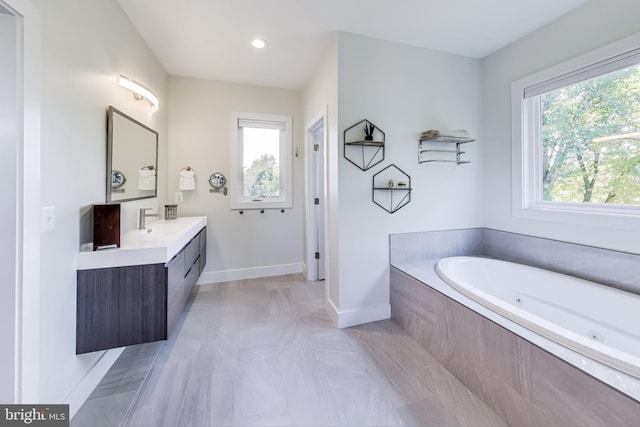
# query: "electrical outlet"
178 197
47 218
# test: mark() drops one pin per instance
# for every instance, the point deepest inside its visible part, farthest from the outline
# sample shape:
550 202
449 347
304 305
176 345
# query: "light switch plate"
178 197
47 218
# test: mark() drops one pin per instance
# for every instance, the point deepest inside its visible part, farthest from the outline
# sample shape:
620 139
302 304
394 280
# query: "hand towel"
187 180
146 179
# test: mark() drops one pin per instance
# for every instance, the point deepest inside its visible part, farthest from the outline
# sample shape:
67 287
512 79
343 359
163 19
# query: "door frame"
26 244
311 235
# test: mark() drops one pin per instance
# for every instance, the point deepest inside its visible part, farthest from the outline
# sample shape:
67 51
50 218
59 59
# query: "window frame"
236 183
526 145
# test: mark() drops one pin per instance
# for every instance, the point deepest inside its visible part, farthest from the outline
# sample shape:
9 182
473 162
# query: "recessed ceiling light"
259 43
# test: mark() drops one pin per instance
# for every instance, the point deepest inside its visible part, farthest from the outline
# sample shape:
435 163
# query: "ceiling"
211 38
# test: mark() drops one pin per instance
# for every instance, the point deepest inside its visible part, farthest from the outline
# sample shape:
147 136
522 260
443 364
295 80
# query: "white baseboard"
358 316
88 383
332 311
208 277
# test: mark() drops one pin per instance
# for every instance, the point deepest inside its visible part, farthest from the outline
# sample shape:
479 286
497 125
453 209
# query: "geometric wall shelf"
391 189
364 144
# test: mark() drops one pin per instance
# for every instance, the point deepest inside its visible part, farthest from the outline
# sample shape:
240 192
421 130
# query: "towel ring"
150 167
188 168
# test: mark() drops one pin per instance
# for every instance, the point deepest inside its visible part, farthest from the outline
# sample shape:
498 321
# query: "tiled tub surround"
521 381
511 372
611 268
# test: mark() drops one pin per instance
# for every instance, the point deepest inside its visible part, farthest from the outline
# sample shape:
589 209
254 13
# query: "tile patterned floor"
265 352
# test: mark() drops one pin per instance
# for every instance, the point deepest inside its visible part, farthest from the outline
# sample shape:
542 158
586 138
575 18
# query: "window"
261 161
576 141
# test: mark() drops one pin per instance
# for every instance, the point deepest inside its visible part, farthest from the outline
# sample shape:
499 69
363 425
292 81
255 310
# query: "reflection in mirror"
132 158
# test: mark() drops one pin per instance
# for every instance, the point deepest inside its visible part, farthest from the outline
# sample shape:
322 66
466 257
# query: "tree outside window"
591 140
261 161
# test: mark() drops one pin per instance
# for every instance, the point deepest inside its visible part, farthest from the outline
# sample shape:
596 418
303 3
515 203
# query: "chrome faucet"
143 217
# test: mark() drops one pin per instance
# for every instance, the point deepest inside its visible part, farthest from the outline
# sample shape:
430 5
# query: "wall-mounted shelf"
442 149
364 144
391 189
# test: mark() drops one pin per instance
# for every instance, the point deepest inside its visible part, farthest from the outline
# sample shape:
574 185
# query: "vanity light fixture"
259 43
139 91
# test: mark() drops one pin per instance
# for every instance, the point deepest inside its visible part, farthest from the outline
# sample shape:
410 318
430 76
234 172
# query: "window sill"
622 217
261 204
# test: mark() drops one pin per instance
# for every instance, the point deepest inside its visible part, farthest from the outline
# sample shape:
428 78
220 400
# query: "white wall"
238 246
403 90
593 25
320 93
85 46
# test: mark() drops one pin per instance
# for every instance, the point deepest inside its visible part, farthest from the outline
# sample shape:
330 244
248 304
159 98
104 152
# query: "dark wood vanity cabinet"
121 306
183 272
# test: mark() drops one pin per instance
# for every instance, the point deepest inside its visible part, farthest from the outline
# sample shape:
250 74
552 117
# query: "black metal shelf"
364 144
385 186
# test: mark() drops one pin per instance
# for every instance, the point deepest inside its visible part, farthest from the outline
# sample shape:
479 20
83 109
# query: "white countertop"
138 247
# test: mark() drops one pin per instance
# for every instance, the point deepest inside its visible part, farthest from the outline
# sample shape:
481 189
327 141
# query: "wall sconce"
139 91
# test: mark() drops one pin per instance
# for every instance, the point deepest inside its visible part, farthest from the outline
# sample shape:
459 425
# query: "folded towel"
146 179
429 134
187 180
444 134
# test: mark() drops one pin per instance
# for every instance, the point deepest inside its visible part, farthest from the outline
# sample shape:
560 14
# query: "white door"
318 196
315 199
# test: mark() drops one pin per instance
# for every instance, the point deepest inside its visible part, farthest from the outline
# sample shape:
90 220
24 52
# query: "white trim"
615 48
312 274
602 66
332 310
90 381
237 199
209 277
526 170
27 387
362 315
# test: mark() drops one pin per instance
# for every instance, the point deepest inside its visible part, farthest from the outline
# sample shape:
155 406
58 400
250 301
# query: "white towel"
187 180
146 179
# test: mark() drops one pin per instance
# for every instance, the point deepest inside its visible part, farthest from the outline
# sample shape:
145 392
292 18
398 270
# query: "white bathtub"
600 322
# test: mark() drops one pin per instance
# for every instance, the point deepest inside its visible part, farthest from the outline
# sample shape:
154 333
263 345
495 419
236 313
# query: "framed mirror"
132 158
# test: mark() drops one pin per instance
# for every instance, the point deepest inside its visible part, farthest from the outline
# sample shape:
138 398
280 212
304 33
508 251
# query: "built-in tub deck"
597 321
526 378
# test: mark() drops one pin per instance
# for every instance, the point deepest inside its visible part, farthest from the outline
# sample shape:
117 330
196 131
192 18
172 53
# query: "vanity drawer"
175 290
192 277
120 306
203 249
191 253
